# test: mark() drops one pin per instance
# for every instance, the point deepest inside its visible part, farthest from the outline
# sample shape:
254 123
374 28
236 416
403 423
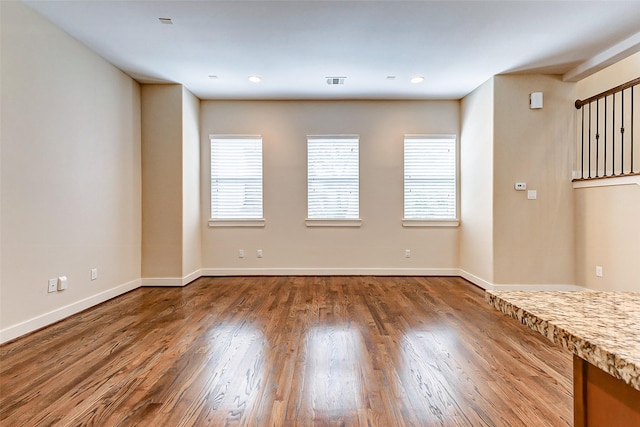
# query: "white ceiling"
295 45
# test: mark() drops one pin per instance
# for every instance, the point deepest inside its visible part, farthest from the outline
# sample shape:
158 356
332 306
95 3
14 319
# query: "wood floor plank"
288 351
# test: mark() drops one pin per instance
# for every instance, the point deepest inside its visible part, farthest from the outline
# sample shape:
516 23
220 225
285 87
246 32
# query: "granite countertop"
602 328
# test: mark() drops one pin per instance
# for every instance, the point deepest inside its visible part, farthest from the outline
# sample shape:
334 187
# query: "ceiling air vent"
335 80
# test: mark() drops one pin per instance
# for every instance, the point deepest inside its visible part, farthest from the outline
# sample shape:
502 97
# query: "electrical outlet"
598 271
241 253
94 273
53 285
521 186
532 194
259 253
407 253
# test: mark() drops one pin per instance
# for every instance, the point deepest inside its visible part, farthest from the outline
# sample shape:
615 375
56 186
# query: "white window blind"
333 177
430 177
236 177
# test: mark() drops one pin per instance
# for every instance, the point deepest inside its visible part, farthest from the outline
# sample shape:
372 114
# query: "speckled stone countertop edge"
596 355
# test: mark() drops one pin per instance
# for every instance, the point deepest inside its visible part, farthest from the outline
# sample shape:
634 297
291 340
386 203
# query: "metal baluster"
605 136
582 146
613 136
622 133
632 117
590 140
597 138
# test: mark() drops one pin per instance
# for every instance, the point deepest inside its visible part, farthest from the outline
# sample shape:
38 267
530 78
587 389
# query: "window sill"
430 222
256 223
354 223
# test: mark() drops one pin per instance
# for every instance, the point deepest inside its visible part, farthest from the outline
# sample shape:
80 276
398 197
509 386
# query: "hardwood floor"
288 351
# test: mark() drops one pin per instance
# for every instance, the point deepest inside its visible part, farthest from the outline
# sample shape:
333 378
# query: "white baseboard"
58 314
161 281
171 281
475 280
330 272
488 286
529 288
191 277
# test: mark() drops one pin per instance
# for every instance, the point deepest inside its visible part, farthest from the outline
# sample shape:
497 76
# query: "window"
430 178
236 180
332 180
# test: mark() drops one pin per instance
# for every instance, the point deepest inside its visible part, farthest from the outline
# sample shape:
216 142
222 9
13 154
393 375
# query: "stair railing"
607 137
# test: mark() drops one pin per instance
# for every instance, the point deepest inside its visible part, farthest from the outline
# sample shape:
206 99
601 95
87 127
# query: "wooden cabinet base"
600 399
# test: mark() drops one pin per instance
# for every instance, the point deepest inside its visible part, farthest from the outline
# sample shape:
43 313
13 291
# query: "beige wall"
171 222
533 239
507 240
606 221
614 75
162 181
70 174
608 235
476 185
191 219
288 245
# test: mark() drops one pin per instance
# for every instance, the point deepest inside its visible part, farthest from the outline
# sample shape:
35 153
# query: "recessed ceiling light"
417 79
167 21
255 79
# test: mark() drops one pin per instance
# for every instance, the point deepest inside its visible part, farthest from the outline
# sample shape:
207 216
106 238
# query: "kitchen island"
602 330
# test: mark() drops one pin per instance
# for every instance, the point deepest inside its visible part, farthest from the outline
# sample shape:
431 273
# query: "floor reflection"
426 369
231 381
334 380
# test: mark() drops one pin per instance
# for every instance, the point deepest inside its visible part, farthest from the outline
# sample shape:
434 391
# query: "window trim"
329 222
425 223
256 223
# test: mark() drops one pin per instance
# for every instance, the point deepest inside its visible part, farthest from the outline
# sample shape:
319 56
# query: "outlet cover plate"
62 283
